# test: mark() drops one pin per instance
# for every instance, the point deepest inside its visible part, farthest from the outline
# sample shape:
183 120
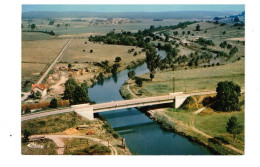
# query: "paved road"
48 70
45 113
114 104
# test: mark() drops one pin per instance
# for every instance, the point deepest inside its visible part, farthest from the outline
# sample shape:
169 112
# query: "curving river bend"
143 135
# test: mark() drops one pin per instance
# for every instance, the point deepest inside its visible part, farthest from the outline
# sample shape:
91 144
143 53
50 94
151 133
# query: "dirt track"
61 146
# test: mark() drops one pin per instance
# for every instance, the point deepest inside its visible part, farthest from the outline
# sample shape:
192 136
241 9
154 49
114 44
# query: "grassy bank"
66 124
84 147
191 80
199 127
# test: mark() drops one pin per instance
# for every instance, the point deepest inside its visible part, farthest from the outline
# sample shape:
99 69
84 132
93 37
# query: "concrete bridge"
87 110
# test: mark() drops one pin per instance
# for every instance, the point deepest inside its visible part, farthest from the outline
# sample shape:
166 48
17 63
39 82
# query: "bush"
115 135
139 82
118 59
97 150
26 135
54 103
27 111
131 74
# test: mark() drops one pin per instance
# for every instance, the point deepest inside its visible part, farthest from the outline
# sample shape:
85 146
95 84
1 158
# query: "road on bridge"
111 105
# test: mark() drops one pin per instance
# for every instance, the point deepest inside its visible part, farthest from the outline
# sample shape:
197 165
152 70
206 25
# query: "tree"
236 19
51 22
118 59
70 87
234 127
52 33
139 82
131 74
100 76
227 97
223 44
80 95
198 27
233 51
152 59
229 46
188 32
175 32
90 51
114 68
151 76
27 111
53 103
26 135
69 66
38 95
33 26
77 94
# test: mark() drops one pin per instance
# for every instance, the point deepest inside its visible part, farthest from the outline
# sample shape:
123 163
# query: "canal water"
143 135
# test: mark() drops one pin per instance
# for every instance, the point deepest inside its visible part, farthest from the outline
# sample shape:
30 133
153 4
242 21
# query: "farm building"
39 88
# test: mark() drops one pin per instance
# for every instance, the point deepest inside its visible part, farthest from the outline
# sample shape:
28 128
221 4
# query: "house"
39 88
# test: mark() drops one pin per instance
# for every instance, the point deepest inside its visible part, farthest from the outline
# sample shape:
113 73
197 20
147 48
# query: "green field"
193 80
32 36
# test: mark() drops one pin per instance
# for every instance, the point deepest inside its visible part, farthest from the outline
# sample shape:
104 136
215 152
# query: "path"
53 63
58 88
57 139
48 70
208 136
130 91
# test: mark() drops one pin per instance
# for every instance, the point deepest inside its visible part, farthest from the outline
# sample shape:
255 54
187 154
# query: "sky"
132 8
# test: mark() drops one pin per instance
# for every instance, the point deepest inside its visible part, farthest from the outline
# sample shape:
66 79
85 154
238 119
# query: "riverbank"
182 121
71 125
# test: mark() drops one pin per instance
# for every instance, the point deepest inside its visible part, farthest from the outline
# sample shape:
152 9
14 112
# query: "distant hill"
131 15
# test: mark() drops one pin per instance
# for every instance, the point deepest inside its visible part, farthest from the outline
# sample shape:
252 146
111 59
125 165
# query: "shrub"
97 150
27 111
118 59
54 103
131 74
115 135
139 82
26 135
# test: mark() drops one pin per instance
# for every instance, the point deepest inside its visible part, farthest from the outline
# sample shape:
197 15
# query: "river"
143 135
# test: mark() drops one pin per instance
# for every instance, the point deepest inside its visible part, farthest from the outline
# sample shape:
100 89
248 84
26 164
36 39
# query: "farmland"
196 54
87 25
101 52
37 55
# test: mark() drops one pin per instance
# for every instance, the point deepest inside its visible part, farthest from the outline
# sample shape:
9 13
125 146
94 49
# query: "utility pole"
173 84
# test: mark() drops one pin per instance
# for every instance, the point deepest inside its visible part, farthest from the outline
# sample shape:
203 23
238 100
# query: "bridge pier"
179 100
84 110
